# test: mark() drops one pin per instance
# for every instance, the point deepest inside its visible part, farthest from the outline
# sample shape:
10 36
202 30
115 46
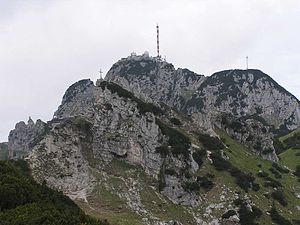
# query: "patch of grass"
290 158
163 208
199 156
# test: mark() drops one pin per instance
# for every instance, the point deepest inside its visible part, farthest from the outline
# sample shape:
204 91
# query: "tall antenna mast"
247 59
157 32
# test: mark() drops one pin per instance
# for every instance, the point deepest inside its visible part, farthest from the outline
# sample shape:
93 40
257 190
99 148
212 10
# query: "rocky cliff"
25 136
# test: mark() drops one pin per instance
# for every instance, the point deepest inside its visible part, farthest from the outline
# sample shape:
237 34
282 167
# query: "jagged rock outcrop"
60 158
25 136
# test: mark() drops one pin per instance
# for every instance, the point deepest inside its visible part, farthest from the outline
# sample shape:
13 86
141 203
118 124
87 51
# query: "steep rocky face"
25 136
95 125
59 158
77 101
238 92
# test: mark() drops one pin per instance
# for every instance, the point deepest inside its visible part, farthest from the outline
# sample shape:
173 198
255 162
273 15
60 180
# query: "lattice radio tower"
157 40
247 62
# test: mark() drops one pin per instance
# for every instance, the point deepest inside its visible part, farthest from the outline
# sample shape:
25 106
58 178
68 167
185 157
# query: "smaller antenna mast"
100 71
247 61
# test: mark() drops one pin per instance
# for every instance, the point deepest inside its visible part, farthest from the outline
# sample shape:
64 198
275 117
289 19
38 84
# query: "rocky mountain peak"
241 93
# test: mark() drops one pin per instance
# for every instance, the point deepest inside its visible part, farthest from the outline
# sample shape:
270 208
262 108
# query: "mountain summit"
241 93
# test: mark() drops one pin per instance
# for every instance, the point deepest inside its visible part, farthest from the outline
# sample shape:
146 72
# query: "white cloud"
45 46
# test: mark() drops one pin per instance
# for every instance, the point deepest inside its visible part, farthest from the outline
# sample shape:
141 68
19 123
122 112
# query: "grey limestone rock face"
120 130
77 101
60 159
25 136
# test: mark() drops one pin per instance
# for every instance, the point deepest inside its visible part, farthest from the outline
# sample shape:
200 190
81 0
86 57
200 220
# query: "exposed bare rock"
25 136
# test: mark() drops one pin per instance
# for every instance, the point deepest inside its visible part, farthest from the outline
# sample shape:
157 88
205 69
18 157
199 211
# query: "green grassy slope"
290 158
240 157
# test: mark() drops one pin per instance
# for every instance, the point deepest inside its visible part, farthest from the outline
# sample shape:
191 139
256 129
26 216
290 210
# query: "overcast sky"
45 46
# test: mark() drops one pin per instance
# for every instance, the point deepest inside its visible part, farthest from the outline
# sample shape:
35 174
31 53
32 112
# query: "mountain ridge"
107 148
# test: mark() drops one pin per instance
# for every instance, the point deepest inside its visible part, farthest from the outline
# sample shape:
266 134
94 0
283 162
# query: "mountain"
155 145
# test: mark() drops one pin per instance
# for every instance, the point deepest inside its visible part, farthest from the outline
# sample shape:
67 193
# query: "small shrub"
280 168
270 182
171 172
83 124
297 172
293 141
198 156
179 142
278 195
228 214
277 218
163 150
267 151
175 121
275 173
262 174
191 186
246 216
219 163
279 147
205 183
210 143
